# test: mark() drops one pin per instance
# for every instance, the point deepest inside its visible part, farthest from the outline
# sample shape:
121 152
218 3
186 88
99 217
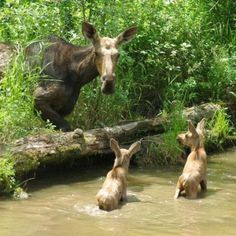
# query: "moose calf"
114 188
194 172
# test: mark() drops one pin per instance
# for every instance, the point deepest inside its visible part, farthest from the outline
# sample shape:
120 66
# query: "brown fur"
194 172
115 185
66 68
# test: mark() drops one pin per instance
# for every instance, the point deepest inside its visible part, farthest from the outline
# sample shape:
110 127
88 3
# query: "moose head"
194 137
106 53
123 156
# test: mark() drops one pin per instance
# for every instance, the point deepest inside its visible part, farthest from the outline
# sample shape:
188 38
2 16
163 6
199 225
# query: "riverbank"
27 156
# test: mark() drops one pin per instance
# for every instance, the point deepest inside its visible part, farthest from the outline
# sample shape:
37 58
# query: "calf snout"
179 139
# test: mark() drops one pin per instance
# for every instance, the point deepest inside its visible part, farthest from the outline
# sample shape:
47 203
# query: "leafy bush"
7 176
220 129
17 115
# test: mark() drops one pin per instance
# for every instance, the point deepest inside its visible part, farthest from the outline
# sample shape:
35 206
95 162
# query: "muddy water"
66 205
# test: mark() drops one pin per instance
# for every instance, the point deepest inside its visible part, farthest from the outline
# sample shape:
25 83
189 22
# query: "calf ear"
115 147
135 147
201 124
191 128
127 35
90 32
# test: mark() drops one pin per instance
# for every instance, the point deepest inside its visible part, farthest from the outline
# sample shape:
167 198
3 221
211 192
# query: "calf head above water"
194 137
123 156
106 53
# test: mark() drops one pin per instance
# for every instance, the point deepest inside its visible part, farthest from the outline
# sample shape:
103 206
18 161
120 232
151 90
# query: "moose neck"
199 145
85 66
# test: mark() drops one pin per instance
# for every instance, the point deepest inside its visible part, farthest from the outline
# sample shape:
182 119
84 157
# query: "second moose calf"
115 186
194 172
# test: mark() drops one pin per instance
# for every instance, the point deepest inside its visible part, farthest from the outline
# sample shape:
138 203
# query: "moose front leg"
124 194
68 108
179 187
47 113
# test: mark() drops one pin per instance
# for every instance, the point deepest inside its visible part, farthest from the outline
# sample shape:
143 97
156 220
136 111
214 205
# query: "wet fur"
113 190
115 185
194 172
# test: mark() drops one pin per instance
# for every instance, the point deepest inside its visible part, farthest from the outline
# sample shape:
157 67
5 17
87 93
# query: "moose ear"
201 124
135 147
191 128
127 35
115 147
90 32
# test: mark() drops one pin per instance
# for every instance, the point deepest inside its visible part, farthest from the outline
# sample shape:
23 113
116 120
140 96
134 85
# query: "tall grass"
220 129
7 176
17 115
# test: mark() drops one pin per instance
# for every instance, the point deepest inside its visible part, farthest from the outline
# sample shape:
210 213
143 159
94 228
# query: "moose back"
66 68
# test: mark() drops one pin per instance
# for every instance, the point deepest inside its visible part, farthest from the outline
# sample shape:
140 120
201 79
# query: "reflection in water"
67 206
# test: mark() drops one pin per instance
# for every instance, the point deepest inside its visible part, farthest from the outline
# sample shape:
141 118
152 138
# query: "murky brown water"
66 205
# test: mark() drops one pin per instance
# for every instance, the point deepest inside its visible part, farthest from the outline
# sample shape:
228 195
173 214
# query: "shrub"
7 176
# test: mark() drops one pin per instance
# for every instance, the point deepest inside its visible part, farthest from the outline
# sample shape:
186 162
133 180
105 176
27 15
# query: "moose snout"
179 139
108 78
108 84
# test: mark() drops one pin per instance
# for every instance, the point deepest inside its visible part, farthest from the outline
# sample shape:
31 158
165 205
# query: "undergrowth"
165 150
220 129
7 176
18 117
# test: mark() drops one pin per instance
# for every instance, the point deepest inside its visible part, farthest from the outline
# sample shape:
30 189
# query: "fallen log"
41 150
30 153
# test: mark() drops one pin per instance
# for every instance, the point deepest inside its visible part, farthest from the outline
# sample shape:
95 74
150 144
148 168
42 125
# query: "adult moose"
68 68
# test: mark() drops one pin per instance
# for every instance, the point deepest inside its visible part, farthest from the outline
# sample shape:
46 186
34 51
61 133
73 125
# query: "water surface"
65 205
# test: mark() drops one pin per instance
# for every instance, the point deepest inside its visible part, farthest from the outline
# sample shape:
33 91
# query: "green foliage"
166 150
7 176
223 73
220 128
17 115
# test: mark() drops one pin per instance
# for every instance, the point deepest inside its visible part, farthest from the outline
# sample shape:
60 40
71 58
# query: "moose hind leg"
203 185
47 113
